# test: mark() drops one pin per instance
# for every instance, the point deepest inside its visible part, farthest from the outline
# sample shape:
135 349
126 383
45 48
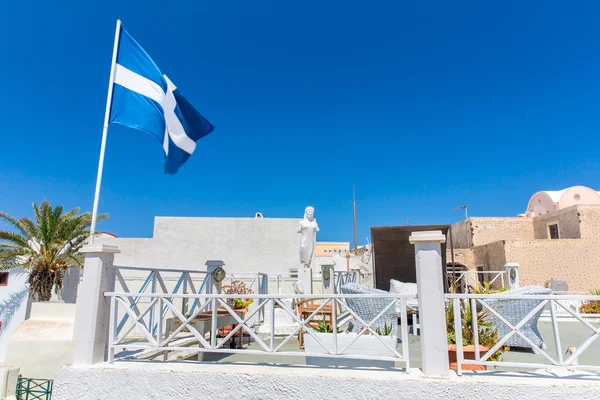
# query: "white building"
14 303
247 245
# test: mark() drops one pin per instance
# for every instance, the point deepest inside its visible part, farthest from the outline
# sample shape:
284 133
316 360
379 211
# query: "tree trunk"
41 282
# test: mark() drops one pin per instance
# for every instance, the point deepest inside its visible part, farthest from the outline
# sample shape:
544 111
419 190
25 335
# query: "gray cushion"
514 311
368 308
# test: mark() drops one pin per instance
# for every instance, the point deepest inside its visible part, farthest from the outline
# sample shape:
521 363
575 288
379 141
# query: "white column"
8 381
306 279
213 286
512 270
328 284
92 315
432 315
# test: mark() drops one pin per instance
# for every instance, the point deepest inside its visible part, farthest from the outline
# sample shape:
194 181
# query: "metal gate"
34 389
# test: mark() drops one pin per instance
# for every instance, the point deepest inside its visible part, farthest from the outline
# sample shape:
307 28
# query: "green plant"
486 288
238 287
591 306
323 326
386 331
487 335
47 246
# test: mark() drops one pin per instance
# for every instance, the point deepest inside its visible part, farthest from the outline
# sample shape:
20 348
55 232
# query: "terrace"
180 318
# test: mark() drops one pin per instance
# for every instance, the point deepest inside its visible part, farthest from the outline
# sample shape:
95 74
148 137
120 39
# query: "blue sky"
422 106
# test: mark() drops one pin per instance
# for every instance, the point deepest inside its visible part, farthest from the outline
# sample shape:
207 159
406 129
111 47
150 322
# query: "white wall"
43 343
15 302
247 245
68 292
14 305
174 381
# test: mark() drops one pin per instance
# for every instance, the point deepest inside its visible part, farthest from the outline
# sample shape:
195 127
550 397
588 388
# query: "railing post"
432 314
306 279
215 277
184 302
93 309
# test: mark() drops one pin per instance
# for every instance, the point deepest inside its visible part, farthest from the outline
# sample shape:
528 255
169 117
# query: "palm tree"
47 248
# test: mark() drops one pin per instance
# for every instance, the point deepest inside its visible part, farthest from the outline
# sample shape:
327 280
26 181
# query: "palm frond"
13 238
47 245
15 222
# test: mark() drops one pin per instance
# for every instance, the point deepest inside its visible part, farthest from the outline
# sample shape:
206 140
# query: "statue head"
309 214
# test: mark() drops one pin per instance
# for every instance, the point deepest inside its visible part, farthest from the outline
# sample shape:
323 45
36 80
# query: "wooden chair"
305 307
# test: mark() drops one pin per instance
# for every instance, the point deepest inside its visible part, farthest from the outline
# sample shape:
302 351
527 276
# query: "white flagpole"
105 130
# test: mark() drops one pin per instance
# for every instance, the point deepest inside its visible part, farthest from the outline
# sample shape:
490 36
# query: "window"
480 276
293 272
553 231
3 278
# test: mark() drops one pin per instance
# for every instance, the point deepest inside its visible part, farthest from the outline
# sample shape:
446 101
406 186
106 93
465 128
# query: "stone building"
557 238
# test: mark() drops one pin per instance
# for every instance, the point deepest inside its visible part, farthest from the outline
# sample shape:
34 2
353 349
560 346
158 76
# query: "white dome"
546 202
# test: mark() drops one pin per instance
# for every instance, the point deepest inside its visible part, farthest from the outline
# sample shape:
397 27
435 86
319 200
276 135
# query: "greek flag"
145 99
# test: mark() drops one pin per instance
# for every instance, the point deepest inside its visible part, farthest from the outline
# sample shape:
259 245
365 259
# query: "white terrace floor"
571 333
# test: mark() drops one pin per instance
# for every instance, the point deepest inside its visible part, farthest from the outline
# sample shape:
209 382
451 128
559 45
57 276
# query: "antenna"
463 207
354 207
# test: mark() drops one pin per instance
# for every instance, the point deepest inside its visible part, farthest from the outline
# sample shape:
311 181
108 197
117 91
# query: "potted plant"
238 287
366 344
591 306
487 335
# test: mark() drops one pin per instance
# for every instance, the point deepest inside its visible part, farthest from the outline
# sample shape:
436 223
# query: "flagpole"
105 130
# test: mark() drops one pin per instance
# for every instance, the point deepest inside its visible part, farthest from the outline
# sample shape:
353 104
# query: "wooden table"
203 321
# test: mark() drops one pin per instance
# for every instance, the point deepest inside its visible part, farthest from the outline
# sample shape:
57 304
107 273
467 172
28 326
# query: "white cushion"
402 287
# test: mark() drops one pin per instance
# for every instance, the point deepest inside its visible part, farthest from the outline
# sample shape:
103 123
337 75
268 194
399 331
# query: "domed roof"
548 201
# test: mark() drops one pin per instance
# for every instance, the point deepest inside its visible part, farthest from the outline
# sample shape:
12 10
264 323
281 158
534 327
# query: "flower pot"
469 354
366 345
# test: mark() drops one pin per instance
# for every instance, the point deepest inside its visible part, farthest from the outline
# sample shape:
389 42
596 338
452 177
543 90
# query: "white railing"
498 308
187 281
345 277
284 284
257 282
197 331
469 279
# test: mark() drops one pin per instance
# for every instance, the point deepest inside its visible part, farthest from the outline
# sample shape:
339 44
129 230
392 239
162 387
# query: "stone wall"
488 230
575 261
568 224
461 256
589 221
490 256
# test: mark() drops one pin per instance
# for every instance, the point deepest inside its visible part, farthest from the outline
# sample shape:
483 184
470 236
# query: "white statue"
309 228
